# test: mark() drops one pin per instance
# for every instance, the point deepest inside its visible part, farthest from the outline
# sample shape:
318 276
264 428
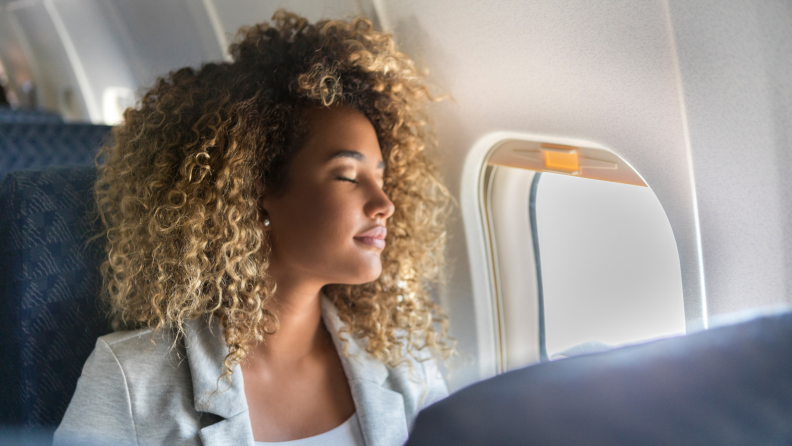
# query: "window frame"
494 286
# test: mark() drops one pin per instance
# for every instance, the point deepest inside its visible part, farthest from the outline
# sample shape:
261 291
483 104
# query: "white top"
347 434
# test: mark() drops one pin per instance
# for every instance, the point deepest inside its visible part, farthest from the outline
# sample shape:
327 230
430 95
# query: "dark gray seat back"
725 386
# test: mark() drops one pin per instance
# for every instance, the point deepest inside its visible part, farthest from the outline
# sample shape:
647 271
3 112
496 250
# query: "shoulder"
144 357
131 380
420 382
141 342
420 376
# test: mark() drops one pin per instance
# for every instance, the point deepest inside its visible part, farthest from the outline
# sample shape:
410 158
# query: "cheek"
315 235
321 221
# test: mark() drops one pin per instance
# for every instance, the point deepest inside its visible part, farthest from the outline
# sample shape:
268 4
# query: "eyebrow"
354 155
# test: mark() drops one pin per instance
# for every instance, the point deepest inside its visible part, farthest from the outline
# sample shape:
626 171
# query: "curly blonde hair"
177 191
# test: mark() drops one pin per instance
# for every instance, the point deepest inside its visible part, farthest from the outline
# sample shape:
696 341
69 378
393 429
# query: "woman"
273 228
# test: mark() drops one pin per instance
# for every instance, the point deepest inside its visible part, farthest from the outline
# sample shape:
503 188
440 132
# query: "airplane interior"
620 244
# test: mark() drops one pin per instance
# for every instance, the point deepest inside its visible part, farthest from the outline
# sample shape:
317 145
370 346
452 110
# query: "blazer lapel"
206 351
380 413
380 410
231 431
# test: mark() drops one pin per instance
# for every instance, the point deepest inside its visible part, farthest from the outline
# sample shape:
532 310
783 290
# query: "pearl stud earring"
266 222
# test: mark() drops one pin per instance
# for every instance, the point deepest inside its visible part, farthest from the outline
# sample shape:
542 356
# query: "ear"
261 199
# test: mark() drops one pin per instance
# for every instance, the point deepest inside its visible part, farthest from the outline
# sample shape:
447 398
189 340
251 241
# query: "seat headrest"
26 145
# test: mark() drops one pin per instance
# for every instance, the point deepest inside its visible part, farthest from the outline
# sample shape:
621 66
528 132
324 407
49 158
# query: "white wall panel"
17 59
736 59
97 47
159 36
234 14
57 87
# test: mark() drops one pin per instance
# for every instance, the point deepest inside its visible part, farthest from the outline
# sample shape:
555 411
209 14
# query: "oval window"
582 256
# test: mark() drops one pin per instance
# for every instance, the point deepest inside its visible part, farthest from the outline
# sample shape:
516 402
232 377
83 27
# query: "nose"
379 206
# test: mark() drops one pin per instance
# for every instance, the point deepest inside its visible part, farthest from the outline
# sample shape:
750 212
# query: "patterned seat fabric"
16 115
31 146
50 314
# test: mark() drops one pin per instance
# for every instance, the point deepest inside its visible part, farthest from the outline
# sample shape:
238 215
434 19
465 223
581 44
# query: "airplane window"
581 254
114 101
609 265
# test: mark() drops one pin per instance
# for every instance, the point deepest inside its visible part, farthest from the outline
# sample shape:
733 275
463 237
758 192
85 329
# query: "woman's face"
328 226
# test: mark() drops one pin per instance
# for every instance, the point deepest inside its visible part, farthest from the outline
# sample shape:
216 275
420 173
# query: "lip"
374 237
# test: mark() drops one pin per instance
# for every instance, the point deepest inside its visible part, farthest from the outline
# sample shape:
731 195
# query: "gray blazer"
137 392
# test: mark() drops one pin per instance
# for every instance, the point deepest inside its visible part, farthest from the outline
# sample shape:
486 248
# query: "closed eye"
347 179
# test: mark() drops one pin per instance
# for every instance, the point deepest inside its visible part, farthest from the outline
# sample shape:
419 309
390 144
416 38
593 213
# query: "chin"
355 268
366 274
368 278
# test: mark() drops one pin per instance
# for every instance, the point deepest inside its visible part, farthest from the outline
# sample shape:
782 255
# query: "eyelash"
350 180
347 179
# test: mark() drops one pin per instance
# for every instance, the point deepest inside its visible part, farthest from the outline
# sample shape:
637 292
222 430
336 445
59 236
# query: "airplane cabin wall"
77 52
32 51
696 95
598 71
736 59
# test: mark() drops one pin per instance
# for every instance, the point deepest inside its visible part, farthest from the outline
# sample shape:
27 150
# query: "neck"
297 305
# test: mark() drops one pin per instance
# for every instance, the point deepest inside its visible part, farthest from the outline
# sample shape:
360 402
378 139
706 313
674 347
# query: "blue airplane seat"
25 145
19 115
50 314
